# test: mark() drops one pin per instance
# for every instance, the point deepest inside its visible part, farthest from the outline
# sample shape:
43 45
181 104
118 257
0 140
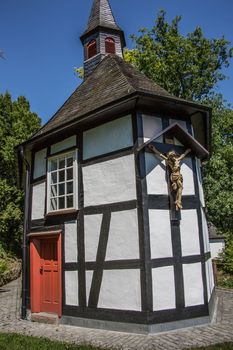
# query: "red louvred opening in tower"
91 49
110 46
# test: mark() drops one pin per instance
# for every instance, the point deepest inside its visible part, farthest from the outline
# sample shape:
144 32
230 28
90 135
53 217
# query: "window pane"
61 202
54 191
61 163
62 183
70 202
53 165
61 175
69 174
54 178
53 204
69 187
61 189
69 162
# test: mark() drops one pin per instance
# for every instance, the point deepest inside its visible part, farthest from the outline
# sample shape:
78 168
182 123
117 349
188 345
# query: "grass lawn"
19 342
224 280
224 346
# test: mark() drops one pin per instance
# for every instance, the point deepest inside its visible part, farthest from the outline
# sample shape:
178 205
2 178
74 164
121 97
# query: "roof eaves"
85 81
99 27
80 118
175 100
55 114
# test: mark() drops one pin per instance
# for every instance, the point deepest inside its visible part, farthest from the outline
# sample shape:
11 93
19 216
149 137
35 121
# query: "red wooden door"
49 276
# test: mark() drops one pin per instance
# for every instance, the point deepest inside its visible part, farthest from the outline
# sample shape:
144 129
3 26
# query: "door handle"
41 269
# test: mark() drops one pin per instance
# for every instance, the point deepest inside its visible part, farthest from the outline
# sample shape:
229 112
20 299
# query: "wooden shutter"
110 46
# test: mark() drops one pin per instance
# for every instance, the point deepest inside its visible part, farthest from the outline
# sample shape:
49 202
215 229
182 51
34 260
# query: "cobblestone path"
221 331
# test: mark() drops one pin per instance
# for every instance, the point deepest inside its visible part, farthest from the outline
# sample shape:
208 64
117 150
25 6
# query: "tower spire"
102 36
101 15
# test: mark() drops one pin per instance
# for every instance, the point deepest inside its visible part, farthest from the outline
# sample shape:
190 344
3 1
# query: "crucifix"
173 162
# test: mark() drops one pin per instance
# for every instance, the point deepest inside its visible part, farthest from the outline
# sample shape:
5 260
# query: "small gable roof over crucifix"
175 130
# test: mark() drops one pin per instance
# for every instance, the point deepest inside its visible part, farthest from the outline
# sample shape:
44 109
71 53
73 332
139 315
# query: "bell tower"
102 36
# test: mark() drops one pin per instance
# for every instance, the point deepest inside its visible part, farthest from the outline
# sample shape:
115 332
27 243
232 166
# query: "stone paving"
221 331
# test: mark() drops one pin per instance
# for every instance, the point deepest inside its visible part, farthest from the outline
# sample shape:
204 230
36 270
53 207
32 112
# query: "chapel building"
115 236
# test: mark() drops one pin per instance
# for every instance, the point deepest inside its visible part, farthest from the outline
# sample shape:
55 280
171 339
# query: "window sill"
61 212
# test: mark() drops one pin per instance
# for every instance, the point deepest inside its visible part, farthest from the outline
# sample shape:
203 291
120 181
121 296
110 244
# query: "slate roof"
101 16
112 80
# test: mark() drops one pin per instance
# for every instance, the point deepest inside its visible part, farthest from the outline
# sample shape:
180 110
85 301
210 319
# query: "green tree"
190 67
218 180
186 66
17 123
79 72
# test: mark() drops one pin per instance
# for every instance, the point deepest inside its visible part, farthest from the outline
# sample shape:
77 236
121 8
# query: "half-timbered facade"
104 246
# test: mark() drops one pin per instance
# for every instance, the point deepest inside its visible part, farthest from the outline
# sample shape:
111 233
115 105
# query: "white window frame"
74 154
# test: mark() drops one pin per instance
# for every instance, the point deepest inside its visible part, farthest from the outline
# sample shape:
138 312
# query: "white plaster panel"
211 275
109 182
121 290
71 288
189 231
216 248
108 137
192 131
63 145
71 249
193 284
92 225
209 278
38 201
40 163
200 183
182 123
205 232
163 288
187 172
160 234
155 175
151 127
89 275
123 241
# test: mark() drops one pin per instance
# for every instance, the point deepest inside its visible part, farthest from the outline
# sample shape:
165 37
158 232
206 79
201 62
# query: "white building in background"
217 243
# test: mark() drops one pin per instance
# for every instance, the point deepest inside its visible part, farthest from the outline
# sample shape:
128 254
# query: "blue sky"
40 39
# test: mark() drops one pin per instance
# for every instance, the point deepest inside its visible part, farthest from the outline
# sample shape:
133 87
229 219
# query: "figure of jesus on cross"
173 161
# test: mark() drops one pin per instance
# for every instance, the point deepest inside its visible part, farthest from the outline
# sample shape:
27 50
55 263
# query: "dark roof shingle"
112 80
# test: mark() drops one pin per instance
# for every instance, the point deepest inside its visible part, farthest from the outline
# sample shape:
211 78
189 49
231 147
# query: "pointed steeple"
102 16
102 36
